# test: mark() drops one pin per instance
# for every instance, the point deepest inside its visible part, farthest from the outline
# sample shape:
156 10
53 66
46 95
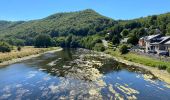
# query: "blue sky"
117 9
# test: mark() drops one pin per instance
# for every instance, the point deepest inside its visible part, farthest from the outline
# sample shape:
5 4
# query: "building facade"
158 44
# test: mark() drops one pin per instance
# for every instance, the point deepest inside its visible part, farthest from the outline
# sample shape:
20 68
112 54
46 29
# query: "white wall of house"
147 46
157 48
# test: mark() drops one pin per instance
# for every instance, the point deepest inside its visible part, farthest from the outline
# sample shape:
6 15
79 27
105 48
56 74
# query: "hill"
4 25
79 23
161 22
84 26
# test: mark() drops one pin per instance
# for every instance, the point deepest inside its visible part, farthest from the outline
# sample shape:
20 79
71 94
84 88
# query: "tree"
5 47
60 41
141 32
108 37
168 29
132 39
43 40
29 41
19 42
152 20
117 29
54 33
75 42
125 32
115 40
68 41
123 49
132 25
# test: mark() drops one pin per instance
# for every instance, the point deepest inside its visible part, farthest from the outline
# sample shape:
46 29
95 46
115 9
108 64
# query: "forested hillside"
80 23
136 28
82 29
161 22
5 25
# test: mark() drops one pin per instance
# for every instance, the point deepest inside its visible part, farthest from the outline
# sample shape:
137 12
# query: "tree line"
81 29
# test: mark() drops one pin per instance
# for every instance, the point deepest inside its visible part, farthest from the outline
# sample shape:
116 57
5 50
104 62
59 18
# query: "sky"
14 10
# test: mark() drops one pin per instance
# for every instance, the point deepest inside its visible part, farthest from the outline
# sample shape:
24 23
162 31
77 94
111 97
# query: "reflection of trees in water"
140 71
113 66
69 55
109 66
66 54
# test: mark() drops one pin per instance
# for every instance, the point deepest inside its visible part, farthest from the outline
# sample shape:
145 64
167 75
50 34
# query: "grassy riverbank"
141 59
25 51
143 62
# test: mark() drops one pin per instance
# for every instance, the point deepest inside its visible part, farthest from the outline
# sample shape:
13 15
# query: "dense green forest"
81 29
81 23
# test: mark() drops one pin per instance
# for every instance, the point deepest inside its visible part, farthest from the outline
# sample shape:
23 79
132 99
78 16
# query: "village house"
158 44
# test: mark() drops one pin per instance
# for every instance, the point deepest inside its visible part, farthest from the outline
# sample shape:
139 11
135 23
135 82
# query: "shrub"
115 40
99 47
168 69
162 67
19 48
123 49
5 47
125 32
132 40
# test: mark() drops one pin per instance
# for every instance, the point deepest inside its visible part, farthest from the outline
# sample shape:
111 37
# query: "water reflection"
79 74
69 62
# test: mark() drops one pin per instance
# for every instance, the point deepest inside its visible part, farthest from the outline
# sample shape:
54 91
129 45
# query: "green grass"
168 69
144 60
162 67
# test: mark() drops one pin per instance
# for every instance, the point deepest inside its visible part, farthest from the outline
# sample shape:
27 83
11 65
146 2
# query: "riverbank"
129 59
27 52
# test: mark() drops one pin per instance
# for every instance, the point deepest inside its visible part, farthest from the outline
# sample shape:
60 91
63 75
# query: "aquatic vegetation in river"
79 75
126 90
116 94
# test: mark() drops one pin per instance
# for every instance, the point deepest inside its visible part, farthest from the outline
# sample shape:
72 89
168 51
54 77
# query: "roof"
165 38
162 40
168 42
142 38
152 36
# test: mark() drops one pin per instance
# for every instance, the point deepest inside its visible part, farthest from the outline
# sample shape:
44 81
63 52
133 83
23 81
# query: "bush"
115 40
123 49
5 47
99 47
132 40
19 48
162 67
168 69
125 32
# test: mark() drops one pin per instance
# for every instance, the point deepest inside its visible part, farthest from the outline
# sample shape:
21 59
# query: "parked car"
163 53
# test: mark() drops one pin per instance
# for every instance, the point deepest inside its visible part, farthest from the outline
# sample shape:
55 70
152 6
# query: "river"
79 74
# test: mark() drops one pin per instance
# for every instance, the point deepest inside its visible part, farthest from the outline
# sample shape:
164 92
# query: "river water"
79 74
